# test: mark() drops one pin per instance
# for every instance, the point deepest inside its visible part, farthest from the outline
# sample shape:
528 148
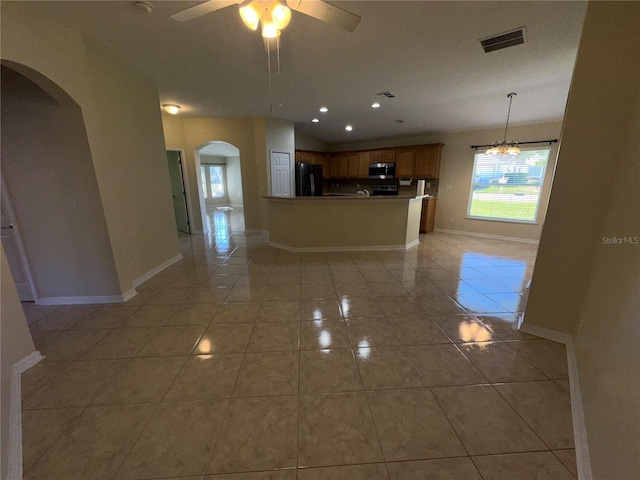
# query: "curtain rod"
555 140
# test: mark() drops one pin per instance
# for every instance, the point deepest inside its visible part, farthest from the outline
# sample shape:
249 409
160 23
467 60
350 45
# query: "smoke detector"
143 7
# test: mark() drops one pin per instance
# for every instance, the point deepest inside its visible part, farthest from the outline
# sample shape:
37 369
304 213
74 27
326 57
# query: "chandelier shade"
504 147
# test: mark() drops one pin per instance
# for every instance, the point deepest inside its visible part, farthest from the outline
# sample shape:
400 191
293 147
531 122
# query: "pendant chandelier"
500 149
272 15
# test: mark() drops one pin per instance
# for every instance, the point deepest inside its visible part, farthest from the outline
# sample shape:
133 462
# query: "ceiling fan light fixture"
280 15
269 30
250 15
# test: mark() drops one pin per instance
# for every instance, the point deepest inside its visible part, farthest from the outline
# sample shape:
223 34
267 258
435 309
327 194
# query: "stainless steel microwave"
382 171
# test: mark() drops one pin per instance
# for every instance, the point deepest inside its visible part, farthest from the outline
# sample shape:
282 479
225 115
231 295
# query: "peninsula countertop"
342 197
344 222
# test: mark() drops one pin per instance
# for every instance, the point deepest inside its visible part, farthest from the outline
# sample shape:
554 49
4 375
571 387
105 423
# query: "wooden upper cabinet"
405 162
428 161
343 165
382 156
388 155
334 166
420 161
324 160
352 165
364 159
306 157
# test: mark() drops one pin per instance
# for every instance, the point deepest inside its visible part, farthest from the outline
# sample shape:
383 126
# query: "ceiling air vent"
504 40
386 94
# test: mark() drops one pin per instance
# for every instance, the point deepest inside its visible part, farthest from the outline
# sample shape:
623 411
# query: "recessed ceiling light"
375 105
348 128
324 109
172 109
315 120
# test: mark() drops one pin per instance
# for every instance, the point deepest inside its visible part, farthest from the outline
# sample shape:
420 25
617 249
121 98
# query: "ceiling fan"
274 15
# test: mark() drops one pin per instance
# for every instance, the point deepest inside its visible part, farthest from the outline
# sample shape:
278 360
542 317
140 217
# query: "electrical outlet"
72 204
453 219
136 259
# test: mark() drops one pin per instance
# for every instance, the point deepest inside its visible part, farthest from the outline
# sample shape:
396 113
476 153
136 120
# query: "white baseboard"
154 271
342 249
129 294
487 235
14 467
577 410
412 244
84 300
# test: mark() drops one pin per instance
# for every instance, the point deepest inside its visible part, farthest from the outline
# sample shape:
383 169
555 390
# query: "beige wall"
252 136
304 141
16 344
456 172
132 171
234 181
122 120
582 285
189 133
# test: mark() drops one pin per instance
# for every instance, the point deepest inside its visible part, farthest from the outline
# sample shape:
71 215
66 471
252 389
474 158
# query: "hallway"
342 365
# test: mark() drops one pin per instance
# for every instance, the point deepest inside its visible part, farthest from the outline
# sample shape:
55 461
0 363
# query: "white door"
10 243
178 191
281 180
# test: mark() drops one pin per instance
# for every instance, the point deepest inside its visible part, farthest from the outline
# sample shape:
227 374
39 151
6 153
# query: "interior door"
281 178
15 257
178 191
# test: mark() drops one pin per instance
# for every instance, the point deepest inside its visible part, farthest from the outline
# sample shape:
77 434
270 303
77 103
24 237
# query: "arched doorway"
219 185
50 187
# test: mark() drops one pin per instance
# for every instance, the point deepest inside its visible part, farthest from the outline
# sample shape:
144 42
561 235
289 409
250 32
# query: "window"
507 188
216 181
212 181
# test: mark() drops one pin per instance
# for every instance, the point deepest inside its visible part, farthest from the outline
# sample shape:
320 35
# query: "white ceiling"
426 53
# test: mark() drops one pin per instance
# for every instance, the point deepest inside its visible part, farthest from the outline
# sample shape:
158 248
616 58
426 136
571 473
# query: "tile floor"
246 362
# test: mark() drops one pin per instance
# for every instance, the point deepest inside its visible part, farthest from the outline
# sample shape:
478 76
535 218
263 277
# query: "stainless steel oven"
382 171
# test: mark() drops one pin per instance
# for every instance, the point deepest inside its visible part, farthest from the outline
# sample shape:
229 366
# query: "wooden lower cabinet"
428 216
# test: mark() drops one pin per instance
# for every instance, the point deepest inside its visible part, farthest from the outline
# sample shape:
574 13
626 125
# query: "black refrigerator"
308 180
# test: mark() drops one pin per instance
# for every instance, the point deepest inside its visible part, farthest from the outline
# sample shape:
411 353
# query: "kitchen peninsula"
334 223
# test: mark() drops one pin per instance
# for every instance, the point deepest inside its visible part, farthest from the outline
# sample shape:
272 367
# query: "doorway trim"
185 185
6 199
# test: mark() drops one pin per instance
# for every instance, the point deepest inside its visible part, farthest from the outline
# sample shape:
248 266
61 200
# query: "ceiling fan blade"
202 9
327 13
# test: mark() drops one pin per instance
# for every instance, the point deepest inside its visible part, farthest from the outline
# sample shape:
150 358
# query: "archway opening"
50 194
220 190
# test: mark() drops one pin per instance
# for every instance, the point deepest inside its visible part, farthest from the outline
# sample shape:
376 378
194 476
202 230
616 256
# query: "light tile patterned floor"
350 365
